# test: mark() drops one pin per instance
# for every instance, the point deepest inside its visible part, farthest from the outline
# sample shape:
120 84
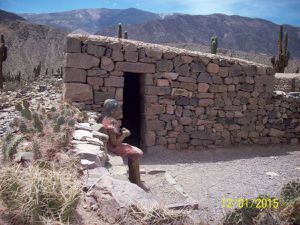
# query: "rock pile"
108 190
189 100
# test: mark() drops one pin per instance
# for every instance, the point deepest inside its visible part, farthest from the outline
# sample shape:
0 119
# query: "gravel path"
209 175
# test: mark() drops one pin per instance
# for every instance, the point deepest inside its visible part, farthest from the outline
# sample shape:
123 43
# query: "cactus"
26 113
49 116
23 128
36 151
18 77
283 54
71 123
63 139
214 45
61 72
53 109
37 124
120 30
15 122
19 107
60 121
56 128
10 145
54 116
3 57
125 35
37 70
25 104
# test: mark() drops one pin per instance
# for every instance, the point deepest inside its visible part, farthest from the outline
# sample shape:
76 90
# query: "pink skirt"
125 149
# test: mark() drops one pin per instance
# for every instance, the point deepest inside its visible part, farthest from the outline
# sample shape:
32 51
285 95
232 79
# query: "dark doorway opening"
132 108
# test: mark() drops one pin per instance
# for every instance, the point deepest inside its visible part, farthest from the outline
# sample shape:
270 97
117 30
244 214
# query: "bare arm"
116 140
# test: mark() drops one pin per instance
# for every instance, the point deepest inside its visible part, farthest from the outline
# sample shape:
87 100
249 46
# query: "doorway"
132 108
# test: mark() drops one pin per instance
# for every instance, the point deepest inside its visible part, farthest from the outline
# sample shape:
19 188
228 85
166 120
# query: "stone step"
114 160
118 170
91 153
81 135
88 164
94 175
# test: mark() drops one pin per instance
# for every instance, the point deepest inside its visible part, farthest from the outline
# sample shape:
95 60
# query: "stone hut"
177 99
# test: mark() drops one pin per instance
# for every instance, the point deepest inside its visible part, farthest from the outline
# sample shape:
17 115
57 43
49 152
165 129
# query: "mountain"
234 32
91 20
28 45
250 56
4 15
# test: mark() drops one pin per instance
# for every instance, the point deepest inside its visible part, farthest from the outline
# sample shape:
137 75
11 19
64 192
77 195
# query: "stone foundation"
287 82
190 100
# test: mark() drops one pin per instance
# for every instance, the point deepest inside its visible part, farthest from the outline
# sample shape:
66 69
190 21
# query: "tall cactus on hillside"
214 45
125 35
3 56
120 30
283 54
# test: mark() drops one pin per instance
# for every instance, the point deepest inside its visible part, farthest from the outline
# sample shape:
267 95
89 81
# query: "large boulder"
114 197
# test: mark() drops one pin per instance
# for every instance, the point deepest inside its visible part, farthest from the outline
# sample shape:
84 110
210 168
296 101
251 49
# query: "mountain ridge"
90 20
5 15
233 32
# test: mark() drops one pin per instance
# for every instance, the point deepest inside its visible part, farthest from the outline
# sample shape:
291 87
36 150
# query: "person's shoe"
144 186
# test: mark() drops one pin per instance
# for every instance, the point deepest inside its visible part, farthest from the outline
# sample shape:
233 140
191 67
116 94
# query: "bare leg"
134 171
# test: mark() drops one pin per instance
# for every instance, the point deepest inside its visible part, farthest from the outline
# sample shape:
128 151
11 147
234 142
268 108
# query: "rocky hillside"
91 20
28 45
4 15
234 32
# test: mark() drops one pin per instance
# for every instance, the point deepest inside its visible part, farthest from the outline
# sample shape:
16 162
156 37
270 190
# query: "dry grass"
40 194
156 216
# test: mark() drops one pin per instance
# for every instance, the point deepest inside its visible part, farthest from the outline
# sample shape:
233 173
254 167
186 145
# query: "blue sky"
278 11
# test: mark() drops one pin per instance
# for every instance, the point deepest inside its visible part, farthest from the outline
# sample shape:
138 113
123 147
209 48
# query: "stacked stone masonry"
190 100
287 82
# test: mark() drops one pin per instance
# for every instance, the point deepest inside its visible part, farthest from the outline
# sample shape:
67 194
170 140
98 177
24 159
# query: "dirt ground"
207 176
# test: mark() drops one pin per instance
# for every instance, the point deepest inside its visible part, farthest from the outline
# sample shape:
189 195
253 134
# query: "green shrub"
290 191
241 216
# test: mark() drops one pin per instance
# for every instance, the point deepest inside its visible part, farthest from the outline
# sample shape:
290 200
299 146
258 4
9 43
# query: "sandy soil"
209 175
